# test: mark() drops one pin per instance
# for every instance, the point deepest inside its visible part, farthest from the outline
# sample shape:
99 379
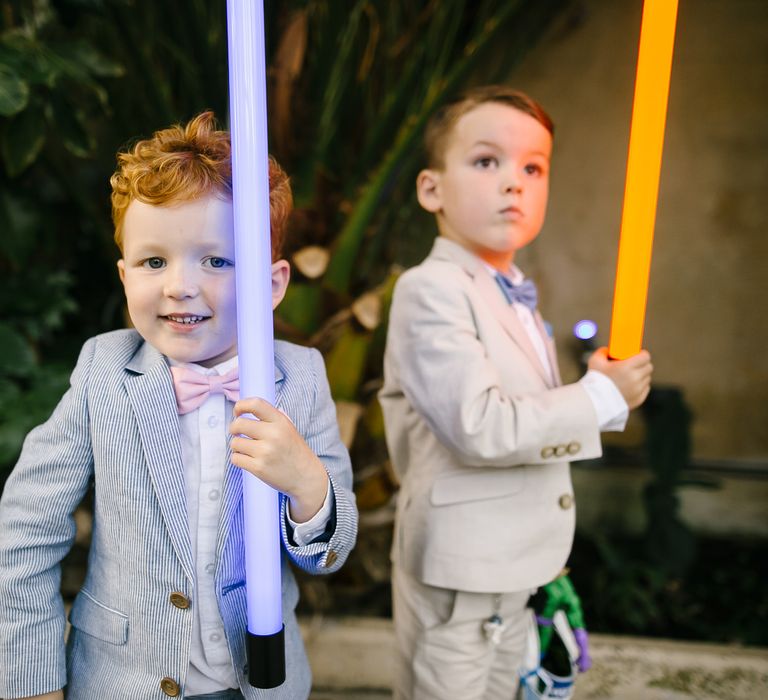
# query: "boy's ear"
428 190
281 274
121 270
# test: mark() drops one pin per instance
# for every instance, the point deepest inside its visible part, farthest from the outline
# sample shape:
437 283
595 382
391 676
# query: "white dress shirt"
611 408
204 434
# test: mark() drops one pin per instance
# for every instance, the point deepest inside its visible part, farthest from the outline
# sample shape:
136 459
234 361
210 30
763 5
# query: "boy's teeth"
186 319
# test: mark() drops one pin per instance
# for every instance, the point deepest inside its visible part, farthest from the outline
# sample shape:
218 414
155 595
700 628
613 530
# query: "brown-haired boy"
479 427
162 610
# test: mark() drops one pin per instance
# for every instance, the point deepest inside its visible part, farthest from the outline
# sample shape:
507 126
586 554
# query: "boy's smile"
490 196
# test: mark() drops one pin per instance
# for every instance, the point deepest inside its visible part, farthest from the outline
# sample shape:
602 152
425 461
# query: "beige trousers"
443 653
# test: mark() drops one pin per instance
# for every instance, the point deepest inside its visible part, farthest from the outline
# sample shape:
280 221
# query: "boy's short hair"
185 162
442 123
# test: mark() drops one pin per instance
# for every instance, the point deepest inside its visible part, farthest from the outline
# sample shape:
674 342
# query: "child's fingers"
599 360
254 429
246 446
642 371
642 358
259 408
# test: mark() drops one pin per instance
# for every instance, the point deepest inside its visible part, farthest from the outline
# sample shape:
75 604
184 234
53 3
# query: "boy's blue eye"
154 263
218 263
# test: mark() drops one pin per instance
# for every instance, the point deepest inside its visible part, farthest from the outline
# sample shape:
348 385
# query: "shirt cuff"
305 533
611 408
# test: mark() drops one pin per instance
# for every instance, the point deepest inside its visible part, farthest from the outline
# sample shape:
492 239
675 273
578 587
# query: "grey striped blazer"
117 427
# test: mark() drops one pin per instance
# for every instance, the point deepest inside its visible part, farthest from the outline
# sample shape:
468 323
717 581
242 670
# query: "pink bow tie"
193 388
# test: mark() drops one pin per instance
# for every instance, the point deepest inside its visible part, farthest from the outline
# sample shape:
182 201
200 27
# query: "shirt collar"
515 274
221 368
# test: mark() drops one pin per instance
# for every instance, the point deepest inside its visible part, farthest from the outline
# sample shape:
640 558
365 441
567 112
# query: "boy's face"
491 194
179 278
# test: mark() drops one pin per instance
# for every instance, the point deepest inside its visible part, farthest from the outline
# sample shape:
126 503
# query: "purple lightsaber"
255 334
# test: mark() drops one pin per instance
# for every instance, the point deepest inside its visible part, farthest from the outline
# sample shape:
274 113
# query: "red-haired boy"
162 609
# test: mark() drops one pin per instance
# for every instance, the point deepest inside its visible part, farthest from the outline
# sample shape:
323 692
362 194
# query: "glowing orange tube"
646 138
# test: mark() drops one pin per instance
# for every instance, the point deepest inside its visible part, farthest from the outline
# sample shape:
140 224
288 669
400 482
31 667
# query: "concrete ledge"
354 658
350 652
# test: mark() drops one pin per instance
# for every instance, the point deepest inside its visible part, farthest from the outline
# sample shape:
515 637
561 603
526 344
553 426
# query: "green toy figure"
561 595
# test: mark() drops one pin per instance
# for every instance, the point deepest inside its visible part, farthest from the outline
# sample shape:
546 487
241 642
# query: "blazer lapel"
150 391
233 483
445 249
549 343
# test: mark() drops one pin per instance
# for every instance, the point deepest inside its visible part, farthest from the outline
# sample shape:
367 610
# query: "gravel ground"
352 659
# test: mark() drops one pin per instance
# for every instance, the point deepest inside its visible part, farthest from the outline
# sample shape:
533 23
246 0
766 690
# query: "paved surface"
352 659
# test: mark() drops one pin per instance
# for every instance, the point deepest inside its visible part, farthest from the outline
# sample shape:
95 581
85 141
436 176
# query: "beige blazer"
478 432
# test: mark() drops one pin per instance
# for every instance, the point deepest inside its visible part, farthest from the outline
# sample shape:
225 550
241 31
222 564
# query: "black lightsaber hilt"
266 659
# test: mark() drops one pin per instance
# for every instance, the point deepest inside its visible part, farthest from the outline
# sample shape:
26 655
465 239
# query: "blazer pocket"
477 485
97 620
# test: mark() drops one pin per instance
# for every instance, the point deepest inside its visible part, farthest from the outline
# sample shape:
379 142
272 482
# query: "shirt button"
179 600
213 494
170 687
560 450
215 637
210 568
547 452
213 421
565 501
573 447
331 558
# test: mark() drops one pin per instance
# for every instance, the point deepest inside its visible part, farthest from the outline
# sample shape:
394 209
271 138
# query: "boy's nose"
181 284
510 183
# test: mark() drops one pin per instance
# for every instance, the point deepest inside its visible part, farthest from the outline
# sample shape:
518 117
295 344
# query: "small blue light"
585 329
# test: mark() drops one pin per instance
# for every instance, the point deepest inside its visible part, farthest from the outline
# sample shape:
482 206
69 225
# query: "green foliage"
49 92
14 92
721 597
27 403
48 84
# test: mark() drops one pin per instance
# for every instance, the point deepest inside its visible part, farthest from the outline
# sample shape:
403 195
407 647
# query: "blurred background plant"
351 85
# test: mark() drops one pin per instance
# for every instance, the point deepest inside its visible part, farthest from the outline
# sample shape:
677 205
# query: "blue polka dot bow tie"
523 293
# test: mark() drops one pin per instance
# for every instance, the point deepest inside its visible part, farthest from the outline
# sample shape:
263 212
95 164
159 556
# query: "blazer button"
170 687
179 600
574 447
547 452
565 501
560 450
330 560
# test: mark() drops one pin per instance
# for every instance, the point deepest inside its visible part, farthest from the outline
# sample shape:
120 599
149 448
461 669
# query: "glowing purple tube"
255 338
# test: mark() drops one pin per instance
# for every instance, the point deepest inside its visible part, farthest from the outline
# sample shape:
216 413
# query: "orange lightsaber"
646 138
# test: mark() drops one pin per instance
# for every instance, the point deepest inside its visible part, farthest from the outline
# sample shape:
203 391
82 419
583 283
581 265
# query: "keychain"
494 626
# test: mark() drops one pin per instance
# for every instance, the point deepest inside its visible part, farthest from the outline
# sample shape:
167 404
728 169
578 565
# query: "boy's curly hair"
185 162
